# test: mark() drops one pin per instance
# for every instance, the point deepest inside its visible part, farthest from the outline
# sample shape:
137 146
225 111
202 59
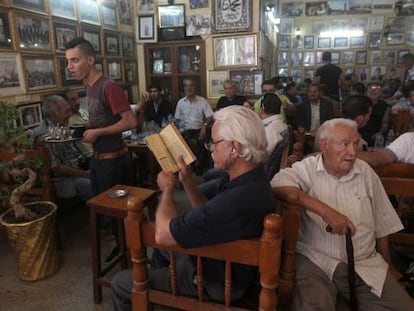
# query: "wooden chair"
400 121
264 253
398 180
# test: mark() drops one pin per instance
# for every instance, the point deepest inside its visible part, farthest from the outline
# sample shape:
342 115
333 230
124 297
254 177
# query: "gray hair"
231 82
238 123
50 106
326 130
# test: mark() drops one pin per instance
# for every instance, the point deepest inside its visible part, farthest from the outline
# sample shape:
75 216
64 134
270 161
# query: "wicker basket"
35 244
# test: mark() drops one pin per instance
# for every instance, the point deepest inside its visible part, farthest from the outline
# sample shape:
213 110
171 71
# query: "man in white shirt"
345 193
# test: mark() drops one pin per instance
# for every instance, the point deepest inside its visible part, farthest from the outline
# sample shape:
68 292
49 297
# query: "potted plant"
30 226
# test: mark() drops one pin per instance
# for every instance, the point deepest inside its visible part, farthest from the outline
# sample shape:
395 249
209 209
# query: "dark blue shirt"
236 212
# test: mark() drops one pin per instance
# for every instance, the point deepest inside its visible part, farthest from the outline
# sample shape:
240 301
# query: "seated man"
231 97
406 102
235 213
343 192
400 150
69 179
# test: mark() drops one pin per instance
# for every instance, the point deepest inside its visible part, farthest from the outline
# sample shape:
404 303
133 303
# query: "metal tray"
117 193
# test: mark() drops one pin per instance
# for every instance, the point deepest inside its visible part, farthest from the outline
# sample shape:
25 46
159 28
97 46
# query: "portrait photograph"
389 57
145 7
33 32
130 72
64 32
128 45
347 57
291 9
324 42
296 75
30 115
283 59
284 42
63 8
394 72
114 70
308 42
11 74
377 73
296 59
40 72
309 74
109 17
93 35
374 39
341 42
308 58
361 57
335 58
375 57
286 26
358 42
362 74
111 43
90 12
124 12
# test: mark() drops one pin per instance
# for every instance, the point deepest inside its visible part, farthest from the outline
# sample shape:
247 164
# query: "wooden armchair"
400 121
398 180
264 253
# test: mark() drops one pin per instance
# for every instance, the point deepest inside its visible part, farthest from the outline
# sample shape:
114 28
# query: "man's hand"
184 174
89 136
165 181
337 223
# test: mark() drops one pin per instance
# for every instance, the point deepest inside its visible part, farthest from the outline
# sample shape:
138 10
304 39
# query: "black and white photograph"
375 22
284 42
146 28
124 12
335 58
361 57
291 9
389 57
359 7
308 58
109 17
404 7
198 4
362 74
308 42
324 42
395 39
111 41
6 41
319 8
374 39
401 53
30 115
375 57
286 26
397 24
340 24
130 72
338 7
171 16
198 24
90 12
11 74
64 32
319 58
145 7
296 75
93 35
63 8
358 42
409 39
340 42
296 59
40 72
283 72
33 32
114 70
283 59
358 24
394 72
297 43
377 73
309 74
347 57
128 45
37 5
320 26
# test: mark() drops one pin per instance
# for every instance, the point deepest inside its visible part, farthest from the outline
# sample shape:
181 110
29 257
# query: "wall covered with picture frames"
33 34
366 37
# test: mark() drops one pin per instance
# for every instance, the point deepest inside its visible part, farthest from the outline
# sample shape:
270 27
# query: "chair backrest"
400 121
265 253
398 180
279 156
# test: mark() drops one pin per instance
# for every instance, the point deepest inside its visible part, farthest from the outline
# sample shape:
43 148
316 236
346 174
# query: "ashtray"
117 193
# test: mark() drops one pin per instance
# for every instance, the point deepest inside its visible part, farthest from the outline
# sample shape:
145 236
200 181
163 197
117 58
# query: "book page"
161 153
176 144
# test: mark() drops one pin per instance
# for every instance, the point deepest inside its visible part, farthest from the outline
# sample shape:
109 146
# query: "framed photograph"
309 74
33 32
63 8
291 9
158 66
284 42
93 35
111 41
361 57
283 59
171 16
215 80
114 69
396 24
198 24
283 72
347 57
340 42
90 12
125 12
235 51
375 57
248 82
64 32
394 72
319 58
409 39
319 8
146 28
296 75
375 22
362 74
130 71
145 7
128 45
395 39
374 39
308 58
99 65
11 73
66 77
30 115
109 17
389 57
6 41
358 42
296 59
401 53
377 73
335 58
324 42
286 26
37 5
308 42
40 72
229 18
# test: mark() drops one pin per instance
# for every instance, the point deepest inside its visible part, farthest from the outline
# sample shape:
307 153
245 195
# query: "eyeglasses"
208 145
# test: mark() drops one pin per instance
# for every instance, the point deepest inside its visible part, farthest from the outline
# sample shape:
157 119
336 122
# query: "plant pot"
34 243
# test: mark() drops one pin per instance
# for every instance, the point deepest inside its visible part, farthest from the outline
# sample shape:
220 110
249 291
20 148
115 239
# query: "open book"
167 146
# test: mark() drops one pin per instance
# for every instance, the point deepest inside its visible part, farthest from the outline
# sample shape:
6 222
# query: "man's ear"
91 60
323 143
359 119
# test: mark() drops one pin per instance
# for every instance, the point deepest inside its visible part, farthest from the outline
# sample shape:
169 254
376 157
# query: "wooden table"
142 160
102 204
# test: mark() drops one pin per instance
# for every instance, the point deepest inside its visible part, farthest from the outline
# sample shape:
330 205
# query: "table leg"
96 255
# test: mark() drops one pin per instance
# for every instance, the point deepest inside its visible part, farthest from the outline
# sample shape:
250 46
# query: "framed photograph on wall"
374 39
37 5
308 42
111 41
30 115
12 72
145 7
362 74
40 72
358 42
114 69
284 42
215 79
6 41
340 42
171 16
228 19
324 42
93 35
389 57
361 57
125 12
395 39
335 57
375 57
90 12
308 58
248 82
128 45
243 47
394 72
296 75
64 32
146 28
375 22
296 59
63 8
109 17
401 53
33 32
347 57
130 71
66 77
